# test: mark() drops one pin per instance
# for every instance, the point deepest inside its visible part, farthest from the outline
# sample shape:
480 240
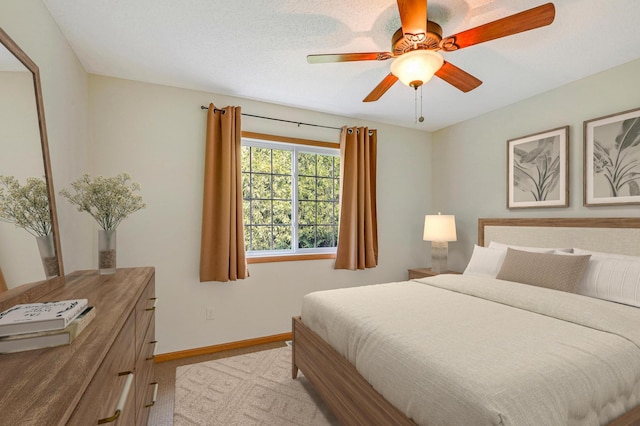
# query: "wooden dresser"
110 362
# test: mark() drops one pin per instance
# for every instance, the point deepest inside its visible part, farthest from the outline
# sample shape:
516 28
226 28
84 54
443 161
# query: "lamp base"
439 253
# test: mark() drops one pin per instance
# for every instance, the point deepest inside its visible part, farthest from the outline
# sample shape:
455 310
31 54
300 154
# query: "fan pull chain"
415 105
421 119
421 104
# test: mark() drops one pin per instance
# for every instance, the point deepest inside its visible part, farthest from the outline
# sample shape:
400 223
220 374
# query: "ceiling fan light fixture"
416 67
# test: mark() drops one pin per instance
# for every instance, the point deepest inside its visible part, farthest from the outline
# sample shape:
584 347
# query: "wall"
156 133
469 159
65 94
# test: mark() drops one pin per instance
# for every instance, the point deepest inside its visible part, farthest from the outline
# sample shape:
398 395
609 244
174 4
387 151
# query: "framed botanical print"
612 159
538 170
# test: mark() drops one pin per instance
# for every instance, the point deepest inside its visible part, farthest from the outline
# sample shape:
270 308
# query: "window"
290 198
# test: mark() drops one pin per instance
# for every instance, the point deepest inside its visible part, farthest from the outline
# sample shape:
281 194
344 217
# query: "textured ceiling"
257 49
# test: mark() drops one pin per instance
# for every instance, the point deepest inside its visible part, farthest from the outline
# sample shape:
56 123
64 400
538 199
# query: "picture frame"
538 170
611 159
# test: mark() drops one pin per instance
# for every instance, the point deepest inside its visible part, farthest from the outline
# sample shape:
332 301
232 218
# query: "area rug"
251 389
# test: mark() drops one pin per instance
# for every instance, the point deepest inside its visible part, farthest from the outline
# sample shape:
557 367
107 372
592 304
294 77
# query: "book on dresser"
47 339
44 316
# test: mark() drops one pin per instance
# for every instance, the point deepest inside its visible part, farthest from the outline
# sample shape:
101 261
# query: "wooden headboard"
611 235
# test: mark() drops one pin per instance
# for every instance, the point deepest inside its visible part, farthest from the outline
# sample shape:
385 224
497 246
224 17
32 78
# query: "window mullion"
271 200
294 200
251 198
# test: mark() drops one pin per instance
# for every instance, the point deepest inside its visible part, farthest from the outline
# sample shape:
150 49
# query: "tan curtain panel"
358 234
3 283
222 255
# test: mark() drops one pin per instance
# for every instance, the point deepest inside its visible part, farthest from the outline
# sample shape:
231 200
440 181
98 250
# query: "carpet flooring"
165 374
250 389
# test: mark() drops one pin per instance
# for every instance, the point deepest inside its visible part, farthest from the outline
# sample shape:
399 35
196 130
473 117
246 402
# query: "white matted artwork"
612 159
538 170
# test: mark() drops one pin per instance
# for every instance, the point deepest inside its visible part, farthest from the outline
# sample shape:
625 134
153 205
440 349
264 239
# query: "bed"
457 378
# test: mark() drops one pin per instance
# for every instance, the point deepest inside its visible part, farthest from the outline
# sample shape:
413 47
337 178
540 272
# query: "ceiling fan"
415 47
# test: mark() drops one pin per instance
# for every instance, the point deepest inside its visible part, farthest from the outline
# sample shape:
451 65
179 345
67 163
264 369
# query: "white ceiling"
256 49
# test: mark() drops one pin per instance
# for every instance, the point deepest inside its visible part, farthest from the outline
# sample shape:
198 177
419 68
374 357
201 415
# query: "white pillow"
485 261
607 255
502 246
565 252
613 277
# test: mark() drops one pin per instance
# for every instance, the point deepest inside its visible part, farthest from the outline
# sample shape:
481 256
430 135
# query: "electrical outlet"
209 313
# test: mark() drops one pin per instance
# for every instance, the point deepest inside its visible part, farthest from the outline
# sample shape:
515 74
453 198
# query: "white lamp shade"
440 227
416 67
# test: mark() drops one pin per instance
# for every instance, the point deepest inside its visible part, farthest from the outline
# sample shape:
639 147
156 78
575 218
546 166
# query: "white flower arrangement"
108 200
26 206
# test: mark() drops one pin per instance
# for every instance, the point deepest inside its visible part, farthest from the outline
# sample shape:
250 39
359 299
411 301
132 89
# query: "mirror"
25 154
19 136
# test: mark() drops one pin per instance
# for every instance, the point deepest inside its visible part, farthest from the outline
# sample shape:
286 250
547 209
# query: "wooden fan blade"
457 77
413 15
381 88
348 57
524 21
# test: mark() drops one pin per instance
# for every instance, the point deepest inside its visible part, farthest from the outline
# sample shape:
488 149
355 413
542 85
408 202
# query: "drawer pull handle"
153 354
155 395
153 308
122 400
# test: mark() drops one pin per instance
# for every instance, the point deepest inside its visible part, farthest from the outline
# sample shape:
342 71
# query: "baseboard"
170 356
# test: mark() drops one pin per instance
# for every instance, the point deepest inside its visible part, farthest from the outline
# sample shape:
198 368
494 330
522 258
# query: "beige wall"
156 133
65 94
469 159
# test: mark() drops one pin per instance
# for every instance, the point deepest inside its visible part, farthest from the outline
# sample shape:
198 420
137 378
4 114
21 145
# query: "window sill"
291 258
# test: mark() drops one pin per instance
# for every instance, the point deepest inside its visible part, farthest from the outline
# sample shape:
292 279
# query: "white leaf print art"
536 170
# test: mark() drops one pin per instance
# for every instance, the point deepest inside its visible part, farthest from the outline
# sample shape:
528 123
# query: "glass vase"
48 255
107 251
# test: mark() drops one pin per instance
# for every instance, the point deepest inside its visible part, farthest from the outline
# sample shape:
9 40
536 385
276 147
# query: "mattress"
460 350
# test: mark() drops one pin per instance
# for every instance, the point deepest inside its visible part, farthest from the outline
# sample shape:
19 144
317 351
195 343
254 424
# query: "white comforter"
460 350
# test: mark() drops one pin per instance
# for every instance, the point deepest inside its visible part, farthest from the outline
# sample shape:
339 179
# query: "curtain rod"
299 123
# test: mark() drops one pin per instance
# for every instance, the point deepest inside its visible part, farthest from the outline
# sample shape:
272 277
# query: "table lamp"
439 229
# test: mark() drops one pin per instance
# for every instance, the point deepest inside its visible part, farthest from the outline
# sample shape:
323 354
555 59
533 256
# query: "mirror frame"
25 293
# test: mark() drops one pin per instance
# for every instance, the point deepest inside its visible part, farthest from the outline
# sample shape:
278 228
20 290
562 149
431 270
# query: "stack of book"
43 325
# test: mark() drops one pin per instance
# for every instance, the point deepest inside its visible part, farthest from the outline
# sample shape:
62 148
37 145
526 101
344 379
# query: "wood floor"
162 412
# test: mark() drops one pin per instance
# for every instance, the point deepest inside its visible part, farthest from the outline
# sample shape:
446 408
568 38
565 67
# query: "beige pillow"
552 271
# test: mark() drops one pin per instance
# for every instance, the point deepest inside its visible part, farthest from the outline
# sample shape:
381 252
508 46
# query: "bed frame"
354 401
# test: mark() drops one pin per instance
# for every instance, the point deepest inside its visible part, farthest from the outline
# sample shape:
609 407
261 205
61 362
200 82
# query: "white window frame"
294 148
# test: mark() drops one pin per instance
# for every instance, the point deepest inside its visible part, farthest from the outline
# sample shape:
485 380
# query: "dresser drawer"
110 382
145 373
150 395
145 312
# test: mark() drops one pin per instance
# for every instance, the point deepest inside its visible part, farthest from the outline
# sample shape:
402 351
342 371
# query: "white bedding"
462 350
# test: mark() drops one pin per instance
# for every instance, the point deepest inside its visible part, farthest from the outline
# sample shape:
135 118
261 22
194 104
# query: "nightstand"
425 272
